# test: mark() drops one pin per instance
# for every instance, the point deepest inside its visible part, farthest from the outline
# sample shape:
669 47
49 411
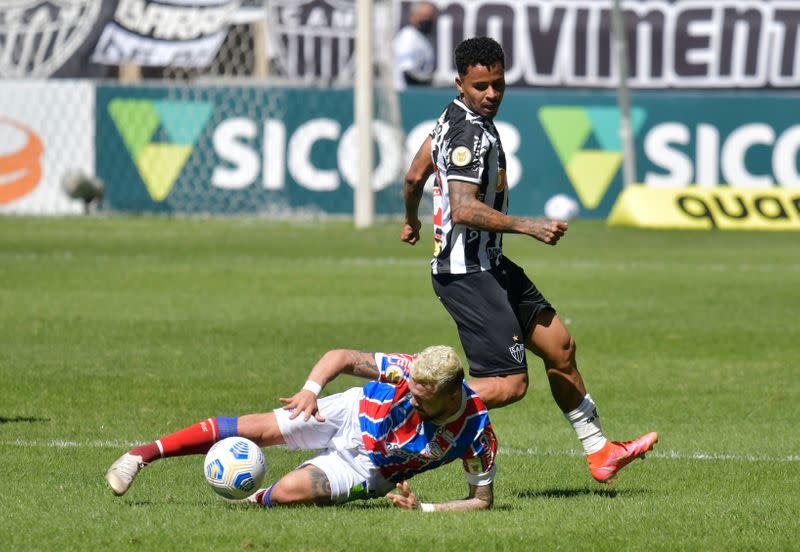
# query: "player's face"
427 402
482 88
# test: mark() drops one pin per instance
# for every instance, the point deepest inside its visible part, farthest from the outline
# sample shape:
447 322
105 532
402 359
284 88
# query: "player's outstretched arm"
332 363
480 498
413 186
467 209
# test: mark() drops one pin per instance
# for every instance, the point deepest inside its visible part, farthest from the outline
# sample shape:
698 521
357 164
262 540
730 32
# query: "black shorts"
495 311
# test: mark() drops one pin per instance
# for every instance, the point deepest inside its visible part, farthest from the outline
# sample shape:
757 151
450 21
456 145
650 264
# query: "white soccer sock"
586 423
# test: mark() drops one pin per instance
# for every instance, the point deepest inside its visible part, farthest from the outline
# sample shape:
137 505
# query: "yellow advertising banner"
697 208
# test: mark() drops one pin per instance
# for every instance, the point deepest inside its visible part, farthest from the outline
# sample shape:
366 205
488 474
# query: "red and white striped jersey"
402 445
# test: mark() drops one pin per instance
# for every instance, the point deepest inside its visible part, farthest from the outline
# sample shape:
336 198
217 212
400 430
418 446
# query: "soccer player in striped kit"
499 312
417 414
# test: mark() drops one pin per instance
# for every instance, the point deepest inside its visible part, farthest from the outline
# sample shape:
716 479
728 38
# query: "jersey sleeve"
393 367
479 461
465 155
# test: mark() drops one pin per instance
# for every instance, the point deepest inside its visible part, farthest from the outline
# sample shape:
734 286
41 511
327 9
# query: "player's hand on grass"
410 233
304 402
405 500
548 231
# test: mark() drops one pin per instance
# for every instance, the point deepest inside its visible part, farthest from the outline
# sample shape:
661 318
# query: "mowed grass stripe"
117 330
660 454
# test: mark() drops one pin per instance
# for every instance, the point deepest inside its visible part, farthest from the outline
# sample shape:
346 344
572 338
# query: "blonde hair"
440 366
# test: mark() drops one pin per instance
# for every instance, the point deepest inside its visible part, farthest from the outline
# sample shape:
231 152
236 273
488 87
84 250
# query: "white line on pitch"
764 267
666 454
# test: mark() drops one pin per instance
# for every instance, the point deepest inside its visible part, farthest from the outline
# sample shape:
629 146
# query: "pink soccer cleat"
615 455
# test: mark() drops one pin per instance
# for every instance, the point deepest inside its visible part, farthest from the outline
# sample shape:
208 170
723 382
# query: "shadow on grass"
369 505
572 493
378 504
142 503
22 420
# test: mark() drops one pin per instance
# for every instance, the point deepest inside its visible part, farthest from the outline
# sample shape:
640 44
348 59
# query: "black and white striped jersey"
466 147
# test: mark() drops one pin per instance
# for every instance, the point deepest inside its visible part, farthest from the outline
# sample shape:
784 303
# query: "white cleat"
121 473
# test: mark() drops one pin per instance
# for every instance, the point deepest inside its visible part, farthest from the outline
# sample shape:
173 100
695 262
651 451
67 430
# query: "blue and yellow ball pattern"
235 468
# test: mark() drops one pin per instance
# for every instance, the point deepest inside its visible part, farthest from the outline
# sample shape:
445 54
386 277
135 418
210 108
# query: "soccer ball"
561 207
235 467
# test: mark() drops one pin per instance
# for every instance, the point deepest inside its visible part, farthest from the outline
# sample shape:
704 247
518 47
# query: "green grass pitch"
115 331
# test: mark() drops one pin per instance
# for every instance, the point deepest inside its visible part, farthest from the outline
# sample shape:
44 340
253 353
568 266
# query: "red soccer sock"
195 439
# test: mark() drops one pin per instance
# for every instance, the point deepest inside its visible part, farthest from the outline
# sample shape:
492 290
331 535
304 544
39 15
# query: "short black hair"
480 50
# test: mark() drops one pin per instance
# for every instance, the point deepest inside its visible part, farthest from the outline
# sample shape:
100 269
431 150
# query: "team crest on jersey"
517 351
433 450
393 374
461 156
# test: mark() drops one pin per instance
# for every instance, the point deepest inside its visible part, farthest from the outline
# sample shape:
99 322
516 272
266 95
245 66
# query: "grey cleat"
121 473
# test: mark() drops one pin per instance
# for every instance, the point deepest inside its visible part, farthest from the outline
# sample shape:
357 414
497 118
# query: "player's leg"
195 439
305 485
549 339
265 429
343 472
262 429
490 335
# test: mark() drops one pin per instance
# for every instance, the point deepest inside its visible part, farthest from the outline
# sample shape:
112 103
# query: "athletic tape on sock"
227 427
266 498
586 423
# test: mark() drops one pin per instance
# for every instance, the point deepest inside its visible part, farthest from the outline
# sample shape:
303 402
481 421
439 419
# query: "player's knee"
288 491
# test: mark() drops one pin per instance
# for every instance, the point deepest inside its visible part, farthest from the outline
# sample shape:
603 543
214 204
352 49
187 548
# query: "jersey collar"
463 106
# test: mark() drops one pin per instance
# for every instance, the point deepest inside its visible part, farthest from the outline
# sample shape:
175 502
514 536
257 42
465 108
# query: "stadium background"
266 125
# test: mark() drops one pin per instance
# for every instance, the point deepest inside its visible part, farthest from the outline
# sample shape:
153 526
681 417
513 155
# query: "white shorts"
344 461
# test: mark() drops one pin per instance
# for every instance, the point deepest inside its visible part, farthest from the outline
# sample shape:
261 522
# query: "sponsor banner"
248 149
551 43
45 130
677 43
237 150
697 208
182 33
567 142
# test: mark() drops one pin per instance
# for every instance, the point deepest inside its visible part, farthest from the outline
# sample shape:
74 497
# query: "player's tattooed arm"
413 185
363 365
332 363
467 209
344 361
